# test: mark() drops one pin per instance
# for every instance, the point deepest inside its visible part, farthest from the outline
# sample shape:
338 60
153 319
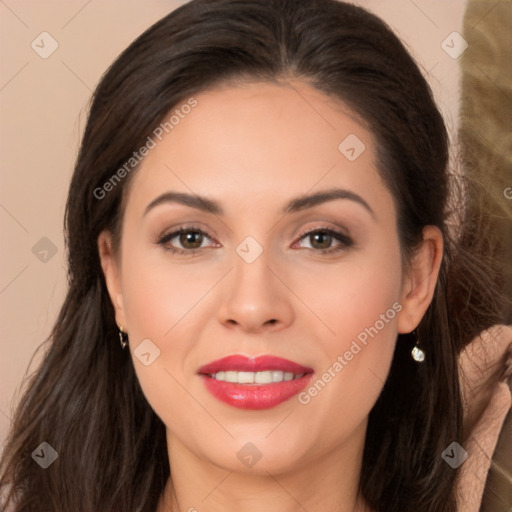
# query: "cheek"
159 301
356 293
359 304
158 295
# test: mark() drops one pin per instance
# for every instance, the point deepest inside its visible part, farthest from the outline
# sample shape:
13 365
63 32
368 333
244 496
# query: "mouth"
254 383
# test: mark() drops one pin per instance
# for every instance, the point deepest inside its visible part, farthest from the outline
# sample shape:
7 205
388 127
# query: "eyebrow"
297 204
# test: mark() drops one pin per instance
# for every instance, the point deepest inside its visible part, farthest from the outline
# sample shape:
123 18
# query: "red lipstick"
254 383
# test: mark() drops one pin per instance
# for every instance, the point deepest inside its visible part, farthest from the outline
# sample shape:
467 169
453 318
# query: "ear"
112 273
419 283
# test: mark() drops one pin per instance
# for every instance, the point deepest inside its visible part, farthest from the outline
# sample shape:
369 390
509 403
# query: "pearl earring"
417 353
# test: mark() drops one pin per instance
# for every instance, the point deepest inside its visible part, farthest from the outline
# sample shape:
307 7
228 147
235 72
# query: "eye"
321 240
190 238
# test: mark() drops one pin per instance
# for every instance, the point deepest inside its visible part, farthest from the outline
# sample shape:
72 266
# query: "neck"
327 484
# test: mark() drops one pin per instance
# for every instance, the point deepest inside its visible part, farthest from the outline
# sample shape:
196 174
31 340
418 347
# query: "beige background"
43 105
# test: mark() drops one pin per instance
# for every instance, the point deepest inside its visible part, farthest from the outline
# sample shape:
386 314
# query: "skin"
253 147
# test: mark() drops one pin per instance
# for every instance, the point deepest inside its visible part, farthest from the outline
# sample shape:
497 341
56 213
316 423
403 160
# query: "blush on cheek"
360 354
155 299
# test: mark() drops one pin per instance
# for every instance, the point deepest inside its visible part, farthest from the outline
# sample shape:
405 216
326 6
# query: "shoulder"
485 371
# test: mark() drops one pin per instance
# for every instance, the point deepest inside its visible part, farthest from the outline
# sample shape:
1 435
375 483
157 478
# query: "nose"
255 297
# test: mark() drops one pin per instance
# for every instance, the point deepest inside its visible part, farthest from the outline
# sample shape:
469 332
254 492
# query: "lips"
254 383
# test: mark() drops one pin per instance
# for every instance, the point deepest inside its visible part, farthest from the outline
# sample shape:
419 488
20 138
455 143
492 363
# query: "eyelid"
324 228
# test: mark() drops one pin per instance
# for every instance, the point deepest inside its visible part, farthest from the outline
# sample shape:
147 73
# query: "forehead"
260 141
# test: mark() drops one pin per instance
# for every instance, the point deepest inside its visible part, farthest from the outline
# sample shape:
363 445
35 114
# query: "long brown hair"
85 399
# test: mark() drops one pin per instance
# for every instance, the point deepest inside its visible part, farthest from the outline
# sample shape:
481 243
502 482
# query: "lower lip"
255 396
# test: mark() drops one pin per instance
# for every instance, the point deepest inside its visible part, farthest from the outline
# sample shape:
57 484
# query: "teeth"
246 377
265 377
229 376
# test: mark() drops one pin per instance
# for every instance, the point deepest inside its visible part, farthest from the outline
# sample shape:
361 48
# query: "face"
270 268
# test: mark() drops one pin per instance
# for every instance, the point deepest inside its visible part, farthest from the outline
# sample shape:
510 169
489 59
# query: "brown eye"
321 240
185 240
191 239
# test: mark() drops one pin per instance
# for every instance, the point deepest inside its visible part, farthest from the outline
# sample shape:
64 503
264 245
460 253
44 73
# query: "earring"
417 353
123 338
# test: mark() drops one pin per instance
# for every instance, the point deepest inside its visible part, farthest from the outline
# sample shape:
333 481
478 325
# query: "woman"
266 306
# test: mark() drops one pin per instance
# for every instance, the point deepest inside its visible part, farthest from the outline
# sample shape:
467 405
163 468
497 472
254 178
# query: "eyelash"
345 241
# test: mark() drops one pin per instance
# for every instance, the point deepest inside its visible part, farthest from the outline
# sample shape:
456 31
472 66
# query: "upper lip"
243 363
